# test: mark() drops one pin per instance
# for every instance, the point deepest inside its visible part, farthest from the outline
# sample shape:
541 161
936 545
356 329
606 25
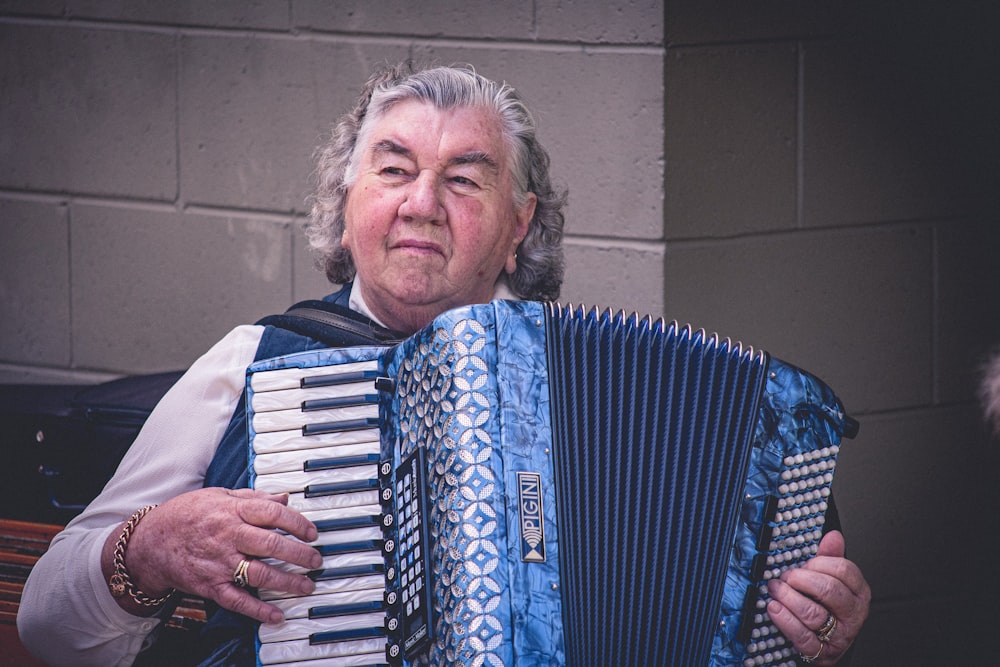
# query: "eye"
464 181
393 171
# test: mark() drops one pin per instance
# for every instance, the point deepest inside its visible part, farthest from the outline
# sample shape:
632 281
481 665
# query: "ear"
345 236
523 217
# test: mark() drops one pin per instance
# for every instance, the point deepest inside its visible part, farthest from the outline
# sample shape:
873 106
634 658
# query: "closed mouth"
415 245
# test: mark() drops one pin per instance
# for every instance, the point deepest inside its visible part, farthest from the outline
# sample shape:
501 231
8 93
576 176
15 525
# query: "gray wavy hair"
989 391
540 264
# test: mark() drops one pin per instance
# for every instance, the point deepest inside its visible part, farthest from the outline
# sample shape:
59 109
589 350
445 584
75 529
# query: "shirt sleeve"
67 614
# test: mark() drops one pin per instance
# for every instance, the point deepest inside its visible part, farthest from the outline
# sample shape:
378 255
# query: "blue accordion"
525 484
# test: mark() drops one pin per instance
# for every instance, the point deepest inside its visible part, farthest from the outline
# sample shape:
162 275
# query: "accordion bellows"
545 486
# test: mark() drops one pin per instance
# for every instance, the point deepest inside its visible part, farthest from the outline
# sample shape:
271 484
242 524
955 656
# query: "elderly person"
433 193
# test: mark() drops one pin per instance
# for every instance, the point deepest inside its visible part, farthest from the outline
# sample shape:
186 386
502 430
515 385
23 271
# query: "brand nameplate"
529 503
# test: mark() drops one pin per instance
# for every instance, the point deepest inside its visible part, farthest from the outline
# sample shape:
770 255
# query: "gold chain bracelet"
120 582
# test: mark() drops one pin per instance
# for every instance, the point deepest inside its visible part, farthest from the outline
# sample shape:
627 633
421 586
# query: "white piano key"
359 660
293 440
291 378
299 628
288 399
344 512
298 501
285 420
273 653
299 607
292 482
345 535
331 562
265 464
330 586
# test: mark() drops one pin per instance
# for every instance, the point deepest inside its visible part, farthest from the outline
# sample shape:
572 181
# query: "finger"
264 575
790 625
243 602
832 544
809 614
823 576
826 593
281 498
264 543
276 515
802 637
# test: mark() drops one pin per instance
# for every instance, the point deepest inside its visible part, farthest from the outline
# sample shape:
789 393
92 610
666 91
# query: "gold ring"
810 658
825 632
240 575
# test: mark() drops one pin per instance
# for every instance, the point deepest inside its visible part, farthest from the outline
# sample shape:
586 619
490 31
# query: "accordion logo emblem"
529 500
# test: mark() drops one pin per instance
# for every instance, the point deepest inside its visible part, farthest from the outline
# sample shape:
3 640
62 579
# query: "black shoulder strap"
333 325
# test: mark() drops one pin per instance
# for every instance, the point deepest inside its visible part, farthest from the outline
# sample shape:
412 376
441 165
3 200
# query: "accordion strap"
334 325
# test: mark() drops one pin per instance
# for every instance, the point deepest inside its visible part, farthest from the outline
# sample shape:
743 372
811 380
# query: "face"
430 220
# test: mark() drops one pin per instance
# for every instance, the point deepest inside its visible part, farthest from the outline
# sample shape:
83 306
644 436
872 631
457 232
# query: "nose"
423 200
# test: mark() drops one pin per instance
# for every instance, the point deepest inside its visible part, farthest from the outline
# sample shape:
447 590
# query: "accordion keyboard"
790 533
316 438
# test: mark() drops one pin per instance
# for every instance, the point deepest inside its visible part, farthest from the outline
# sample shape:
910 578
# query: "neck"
407 318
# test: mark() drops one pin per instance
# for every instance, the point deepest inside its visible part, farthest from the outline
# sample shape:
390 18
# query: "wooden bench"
22 543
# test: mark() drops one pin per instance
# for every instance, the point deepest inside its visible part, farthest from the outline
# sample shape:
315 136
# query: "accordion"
526 483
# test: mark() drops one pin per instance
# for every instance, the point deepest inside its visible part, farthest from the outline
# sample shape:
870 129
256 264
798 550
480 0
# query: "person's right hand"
195 541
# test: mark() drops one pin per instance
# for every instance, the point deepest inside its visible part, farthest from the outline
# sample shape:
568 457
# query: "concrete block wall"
830 196
805 177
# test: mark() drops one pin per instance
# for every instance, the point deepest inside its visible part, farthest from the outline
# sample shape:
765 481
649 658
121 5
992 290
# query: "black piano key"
349 547
345 523
764 536
346 572
333 488
339 462
347 609
337 378
345 425
331 636
339 402
757 567
747 614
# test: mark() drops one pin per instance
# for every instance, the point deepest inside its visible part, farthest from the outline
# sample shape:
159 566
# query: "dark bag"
63 442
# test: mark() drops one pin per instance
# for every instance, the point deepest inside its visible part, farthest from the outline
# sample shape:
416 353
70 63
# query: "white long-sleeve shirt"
67 614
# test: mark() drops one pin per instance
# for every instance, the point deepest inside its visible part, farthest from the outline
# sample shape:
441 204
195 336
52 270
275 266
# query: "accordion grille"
652 432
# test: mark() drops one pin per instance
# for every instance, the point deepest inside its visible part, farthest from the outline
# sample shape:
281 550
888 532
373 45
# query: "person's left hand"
805 599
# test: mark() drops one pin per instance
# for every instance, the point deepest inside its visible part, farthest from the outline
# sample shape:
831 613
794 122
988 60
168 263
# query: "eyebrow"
474 157
389 146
